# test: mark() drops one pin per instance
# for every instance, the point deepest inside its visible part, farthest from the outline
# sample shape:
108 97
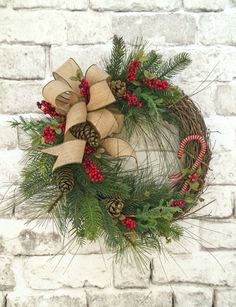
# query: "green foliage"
91 213
173 66
115 62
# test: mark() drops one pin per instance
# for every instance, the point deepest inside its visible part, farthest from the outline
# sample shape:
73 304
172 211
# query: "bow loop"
63 93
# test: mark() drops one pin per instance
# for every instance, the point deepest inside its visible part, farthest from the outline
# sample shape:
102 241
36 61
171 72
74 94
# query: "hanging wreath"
94 124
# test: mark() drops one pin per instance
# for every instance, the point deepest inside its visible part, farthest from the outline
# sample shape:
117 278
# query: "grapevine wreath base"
75 171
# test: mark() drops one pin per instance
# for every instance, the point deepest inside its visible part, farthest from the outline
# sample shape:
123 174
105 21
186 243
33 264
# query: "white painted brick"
10 166
216 234
33 27
8 135
19 97
71 271
7 197
57 4
47 300
134 5
201 96
225 102
83 55
3 3
22 62
188 243
217 268
208 64
222 133
160 33
7 279
192 296
222 205
203 5
223 165
88 27
2 299
155 297
21 239
223 31
225 298
89 248
126 275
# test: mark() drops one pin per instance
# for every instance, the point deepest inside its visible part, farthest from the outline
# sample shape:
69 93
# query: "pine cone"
118 88
114 206
86 131
65 179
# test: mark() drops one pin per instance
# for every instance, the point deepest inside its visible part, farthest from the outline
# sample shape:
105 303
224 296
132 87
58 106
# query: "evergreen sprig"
173 66
115 62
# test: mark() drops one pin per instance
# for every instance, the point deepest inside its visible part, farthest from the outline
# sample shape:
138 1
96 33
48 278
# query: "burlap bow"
64 94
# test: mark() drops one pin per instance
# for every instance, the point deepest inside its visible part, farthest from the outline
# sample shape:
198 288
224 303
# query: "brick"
22 62
83 55
23 26
201 96
3 3
10 166
8 136
225 99
222 205
126 275
155 297
2 299
223 166
202 5
53 300
133 24
7 279
19 96
88 28
192 296
57 4
223 31
89 248
71 271
7 192
225 298
216 268
135 6
218 234
222 133
208 64
31 239
187 243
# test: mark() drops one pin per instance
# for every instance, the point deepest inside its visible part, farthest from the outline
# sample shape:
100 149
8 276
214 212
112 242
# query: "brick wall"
38 35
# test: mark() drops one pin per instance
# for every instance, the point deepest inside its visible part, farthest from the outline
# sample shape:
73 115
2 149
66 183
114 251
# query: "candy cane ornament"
200 157
174 179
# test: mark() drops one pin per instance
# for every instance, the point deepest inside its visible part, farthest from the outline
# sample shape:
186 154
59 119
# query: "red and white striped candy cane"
200 157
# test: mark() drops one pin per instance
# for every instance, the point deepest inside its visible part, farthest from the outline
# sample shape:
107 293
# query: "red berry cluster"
177 203
130 224
134 65
193 177
133 100
84 89
88 150
48 109
92 170
49 134
155 83
62 126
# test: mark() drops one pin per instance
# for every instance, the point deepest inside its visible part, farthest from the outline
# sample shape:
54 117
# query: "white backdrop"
38 35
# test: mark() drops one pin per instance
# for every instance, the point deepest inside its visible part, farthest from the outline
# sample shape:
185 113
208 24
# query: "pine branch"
173 66
91 213
54 204
114 63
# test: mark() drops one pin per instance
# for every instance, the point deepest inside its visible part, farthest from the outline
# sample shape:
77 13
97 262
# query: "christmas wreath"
83 166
